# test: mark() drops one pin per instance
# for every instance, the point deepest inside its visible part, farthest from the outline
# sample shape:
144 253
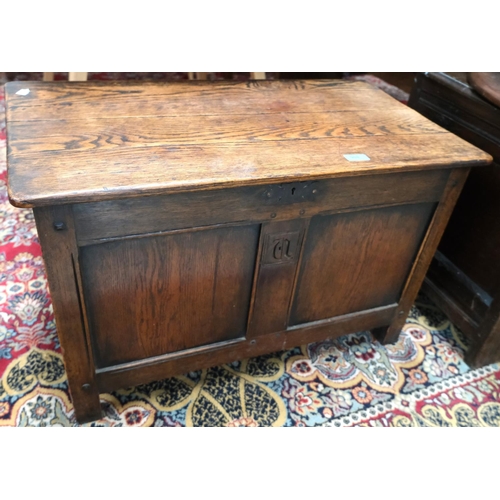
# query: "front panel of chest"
177 273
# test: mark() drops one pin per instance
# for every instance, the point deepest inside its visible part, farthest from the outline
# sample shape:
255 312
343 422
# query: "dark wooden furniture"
464 278
486 85
184 225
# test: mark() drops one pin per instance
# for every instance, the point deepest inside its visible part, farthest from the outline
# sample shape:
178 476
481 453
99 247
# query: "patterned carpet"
353 381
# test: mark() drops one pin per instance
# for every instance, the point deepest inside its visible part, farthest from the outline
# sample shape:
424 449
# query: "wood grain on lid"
78 142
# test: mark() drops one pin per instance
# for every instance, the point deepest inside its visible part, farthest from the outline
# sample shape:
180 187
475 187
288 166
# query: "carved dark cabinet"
464 276
186 225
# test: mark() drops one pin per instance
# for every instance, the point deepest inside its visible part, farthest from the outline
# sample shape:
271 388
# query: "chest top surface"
79 142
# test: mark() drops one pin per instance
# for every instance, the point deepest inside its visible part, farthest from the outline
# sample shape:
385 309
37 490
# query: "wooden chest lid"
78 142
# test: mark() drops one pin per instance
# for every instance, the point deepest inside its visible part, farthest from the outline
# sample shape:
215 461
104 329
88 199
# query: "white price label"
356 157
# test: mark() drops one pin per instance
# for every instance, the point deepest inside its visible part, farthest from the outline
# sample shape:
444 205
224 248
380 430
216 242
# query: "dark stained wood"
466 288
169 365
60 254
90 142
210 222
472 241
357 261
455 106
428 248
162 294
449 307
487 348
281 245
112 219
486 84
456 295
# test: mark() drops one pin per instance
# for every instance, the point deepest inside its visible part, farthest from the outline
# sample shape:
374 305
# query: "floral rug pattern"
421 380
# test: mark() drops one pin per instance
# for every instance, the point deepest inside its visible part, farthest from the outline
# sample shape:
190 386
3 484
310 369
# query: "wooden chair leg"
48 77
77 77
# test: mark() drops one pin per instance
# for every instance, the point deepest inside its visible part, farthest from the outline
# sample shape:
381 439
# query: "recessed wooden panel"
357 261
169 365
151 296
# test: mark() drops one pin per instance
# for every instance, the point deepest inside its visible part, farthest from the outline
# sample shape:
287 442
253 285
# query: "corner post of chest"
56 231
430 242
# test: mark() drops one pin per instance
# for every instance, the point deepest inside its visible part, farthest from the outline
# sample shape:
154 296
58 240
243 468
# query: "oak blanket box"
188 224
